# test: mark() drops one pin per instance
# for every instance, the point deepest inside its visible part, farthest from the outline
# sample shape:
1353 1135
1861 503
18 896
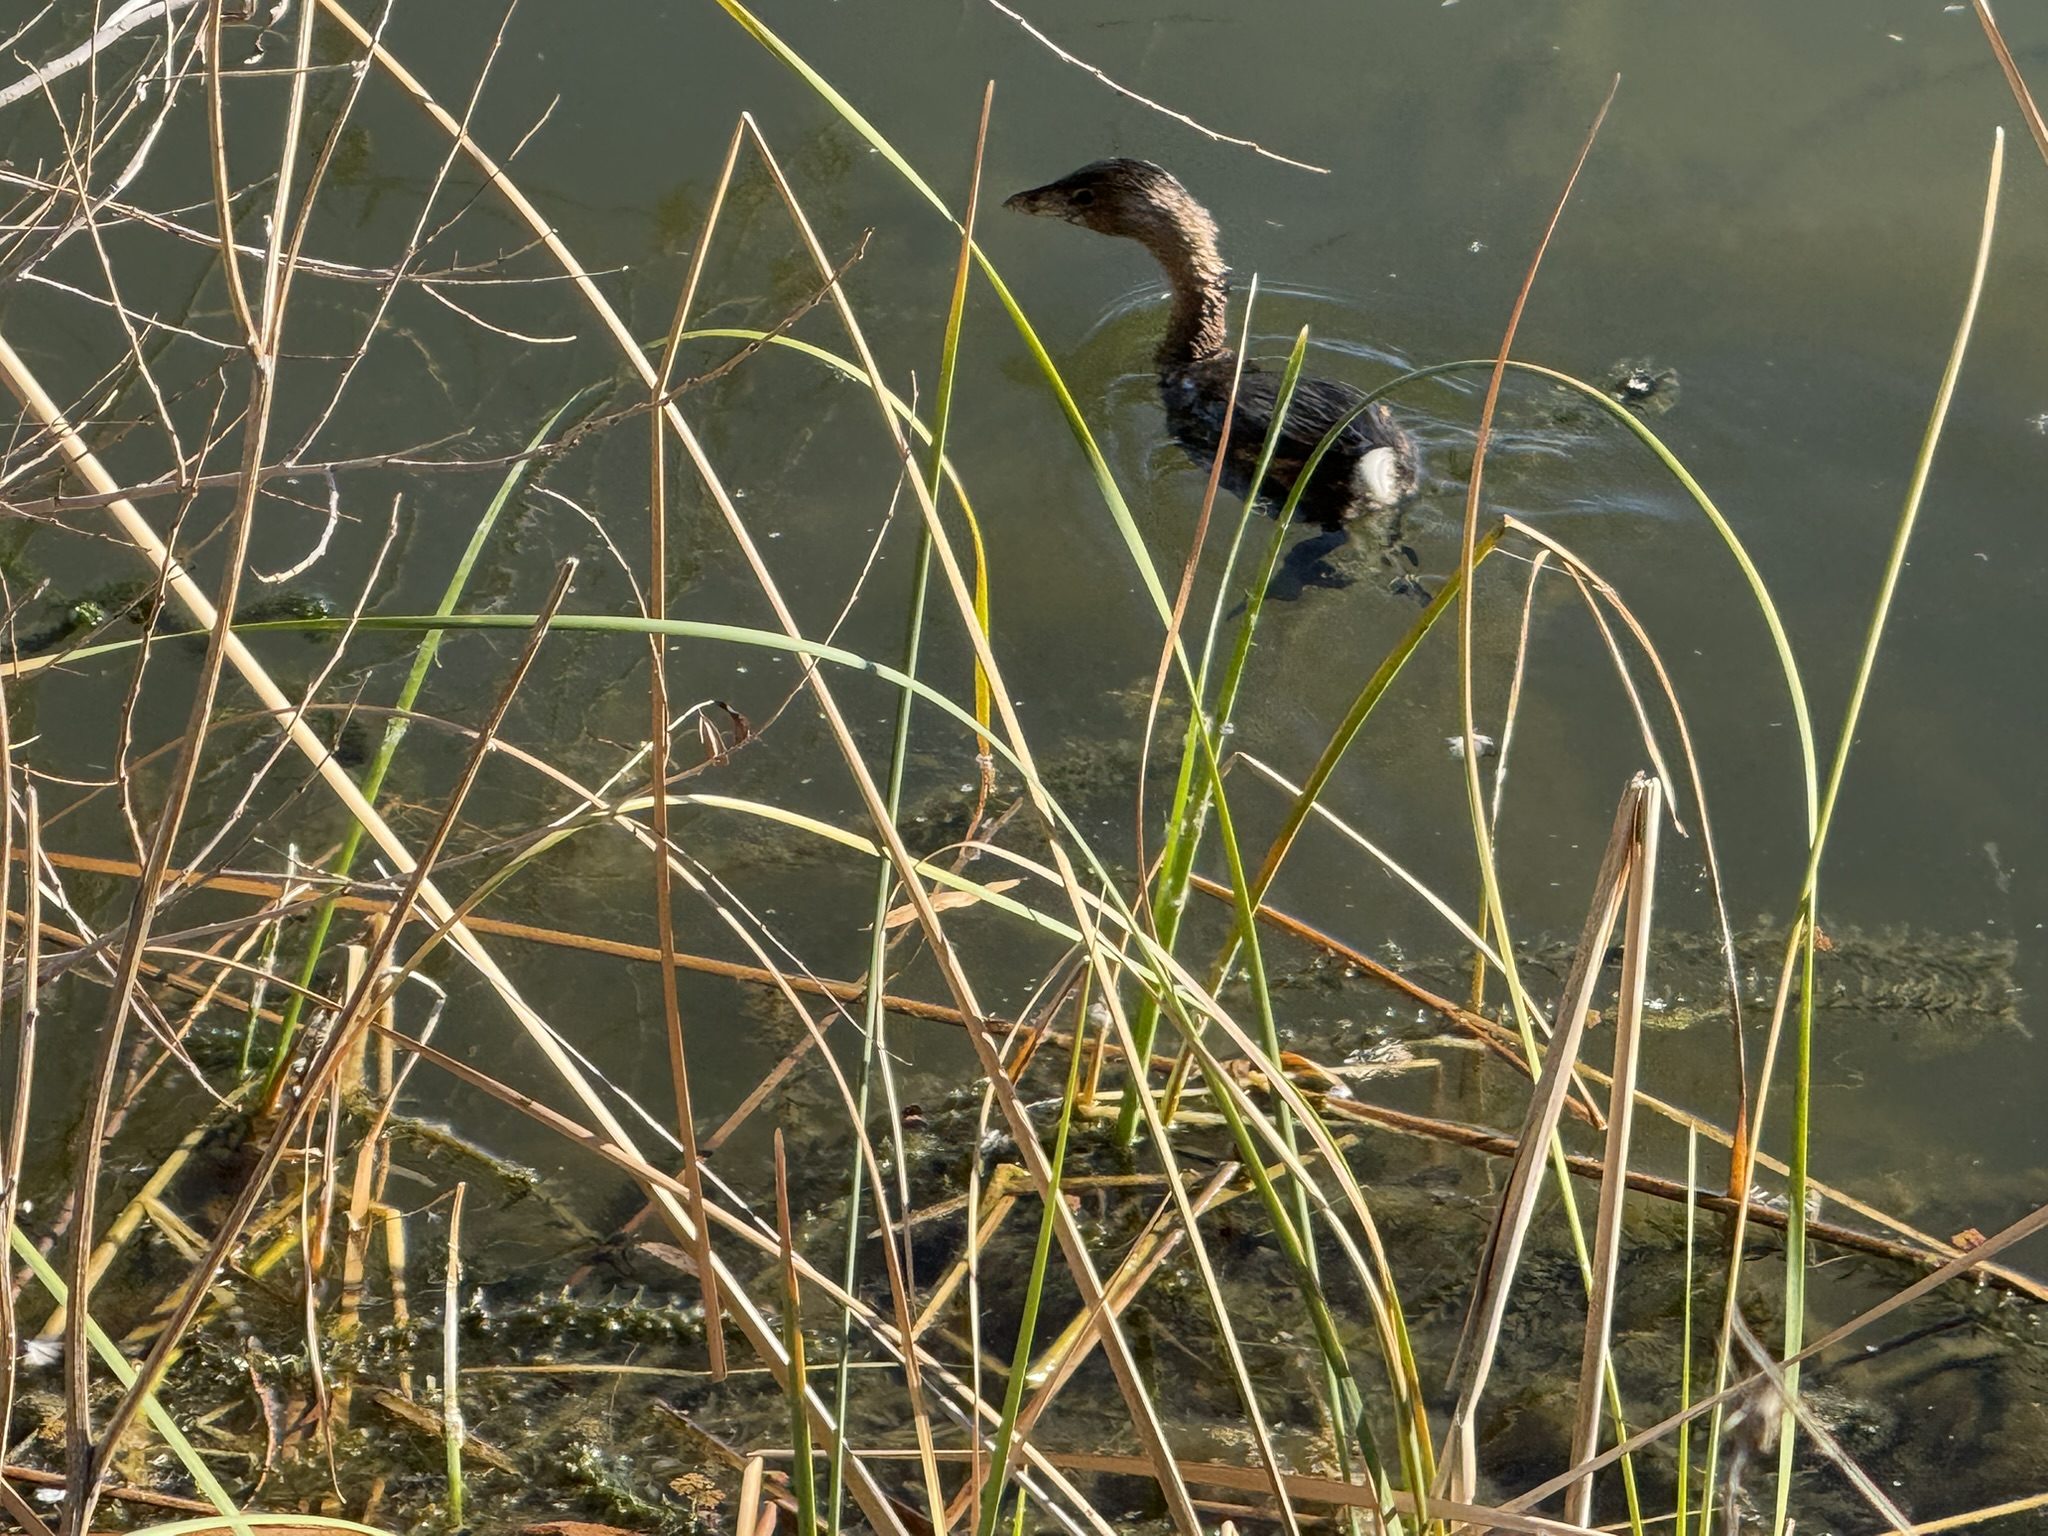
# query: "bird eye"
1082 197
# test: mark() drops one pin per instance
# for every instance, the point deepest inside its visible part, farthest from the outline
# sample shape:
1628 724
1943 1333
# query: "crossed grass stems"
1125 977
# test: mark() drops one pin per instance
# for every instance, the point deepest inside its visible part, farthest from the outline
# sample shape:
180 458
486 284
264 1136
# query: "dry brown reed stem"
120 1493
15 1151
1473 1360
2013 78
1328 1490
1468 597
873 1502
275 890
1971 1517
223 193
1628 1035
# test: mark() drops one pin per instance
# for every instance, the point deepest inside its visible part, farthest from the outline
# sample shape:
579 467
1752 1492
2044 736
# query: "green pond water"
1782 207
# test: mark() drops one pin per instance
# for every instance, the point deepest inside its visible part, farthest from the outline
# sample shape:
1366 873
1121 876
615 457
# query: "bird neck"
1196 330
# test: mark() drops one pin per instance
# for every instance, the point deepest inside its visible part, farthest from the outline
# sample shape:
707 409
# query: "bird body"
1369 468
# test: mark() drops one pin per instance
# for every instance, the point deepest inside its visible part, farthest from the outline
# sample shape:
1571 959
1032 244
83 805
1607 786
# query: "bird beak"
1034 201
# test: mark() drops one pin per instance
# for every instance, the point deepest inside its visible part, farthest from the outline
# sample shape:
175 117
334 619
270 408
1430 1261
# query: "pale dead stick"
1145 101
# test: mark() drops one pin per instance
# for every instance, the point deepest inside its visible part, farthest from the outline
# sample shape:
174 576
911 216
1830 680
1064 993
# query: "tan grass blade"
946 901
1628 1034
1473 1361
452 1431
1973 1516
1504 747
1741 1153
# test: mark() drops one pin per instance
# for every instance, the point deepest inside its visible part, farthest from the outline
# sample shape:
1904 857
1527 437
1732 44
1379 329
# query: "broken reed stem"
1473 1361
1628 1034
16 1147
803 1473
451 1364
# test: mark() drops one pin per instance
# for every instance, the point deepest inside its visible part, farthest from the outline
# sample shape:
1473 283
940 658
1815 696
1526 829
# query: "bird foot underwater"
1308 566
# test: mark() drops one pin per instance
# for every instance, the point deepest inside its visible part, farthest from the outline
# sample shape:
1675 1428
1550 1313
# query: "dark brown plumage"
1370 468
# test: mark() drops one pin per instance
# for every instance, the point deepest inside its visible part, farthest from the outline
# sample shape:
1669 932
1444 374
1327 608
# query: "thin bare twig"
1147 102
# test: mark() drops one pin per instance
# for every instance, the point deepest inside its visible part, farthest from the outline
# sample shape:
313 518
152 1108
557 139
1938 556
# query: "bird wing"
1317 406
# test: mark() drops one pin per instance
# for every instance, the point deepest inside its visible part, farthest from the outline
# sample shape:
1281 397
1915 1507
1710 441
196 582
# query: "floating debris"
1642 386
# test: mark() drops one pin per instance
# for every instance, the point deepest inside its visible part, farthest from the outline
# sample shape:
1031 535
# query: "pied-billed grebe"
1370 468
